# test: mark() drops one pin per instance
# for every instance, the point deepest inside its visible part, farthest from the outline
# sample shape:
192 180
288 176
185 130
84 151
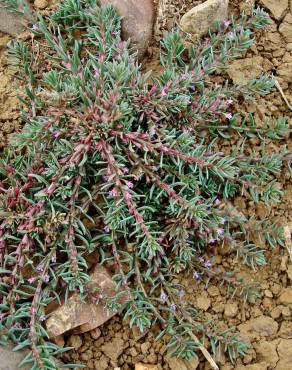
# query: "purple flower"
34 27
181 294
212 241
163 296
125 170
228 115
107 229
113 193
31 280
130 184
46 278
226 22
231 35
223 221
172 307
40 268
220 231
42 318
208 264
217 201
197 275
202 259
229 102
56 134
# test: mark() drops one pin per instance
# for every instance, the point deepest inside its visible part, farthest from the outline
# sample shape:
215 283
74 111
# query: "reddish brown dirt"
266 325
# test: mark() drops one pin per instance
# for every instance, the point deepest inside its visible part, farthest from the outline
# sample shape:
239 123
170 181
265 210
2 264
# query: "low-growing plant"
111 160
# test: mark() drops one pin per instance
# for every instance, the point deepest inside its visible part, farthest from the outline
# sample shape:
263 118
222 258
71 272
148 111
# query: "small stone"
286 330
95 333
176 363
11 23
286 296
41 4
286 28
267 351
243 70
263 325
137 22
10 360
145 347
133 352
203 17
268 293
75 314
231 309
276 7
213 291
74 341
276 312
286 311
203 303
102 363
141 366
113 349
289 272
285 355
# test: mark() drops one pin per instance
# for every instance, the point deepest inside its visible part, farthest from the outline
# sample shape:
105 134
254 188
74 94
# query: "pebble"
41 4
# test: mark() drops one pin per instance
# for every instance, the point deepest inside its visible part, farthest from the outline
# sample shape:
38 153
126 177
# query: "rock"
10 360
175 363
243 70
11 23
95 333
276 7
258 366
41 4
74 341
263 325
286 330
113 349
203 303
145 347
231 309
289 272
84 316
286 28
286 296
202 17
102 363
285 354
267 352
140 366
285 71
138 21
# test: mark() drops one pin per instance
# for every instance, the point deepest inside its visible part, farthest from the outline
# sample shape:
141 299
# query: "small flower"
42 318
202 259
223 221
54 259
229 102
220 231
196 275
46 278
172 307
163 296
56 134
208 264
125 170
217 201
34 27
107 229
228 115
40 268
113 193
31 280
212 241
226 22
130 184
231 35
181 294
